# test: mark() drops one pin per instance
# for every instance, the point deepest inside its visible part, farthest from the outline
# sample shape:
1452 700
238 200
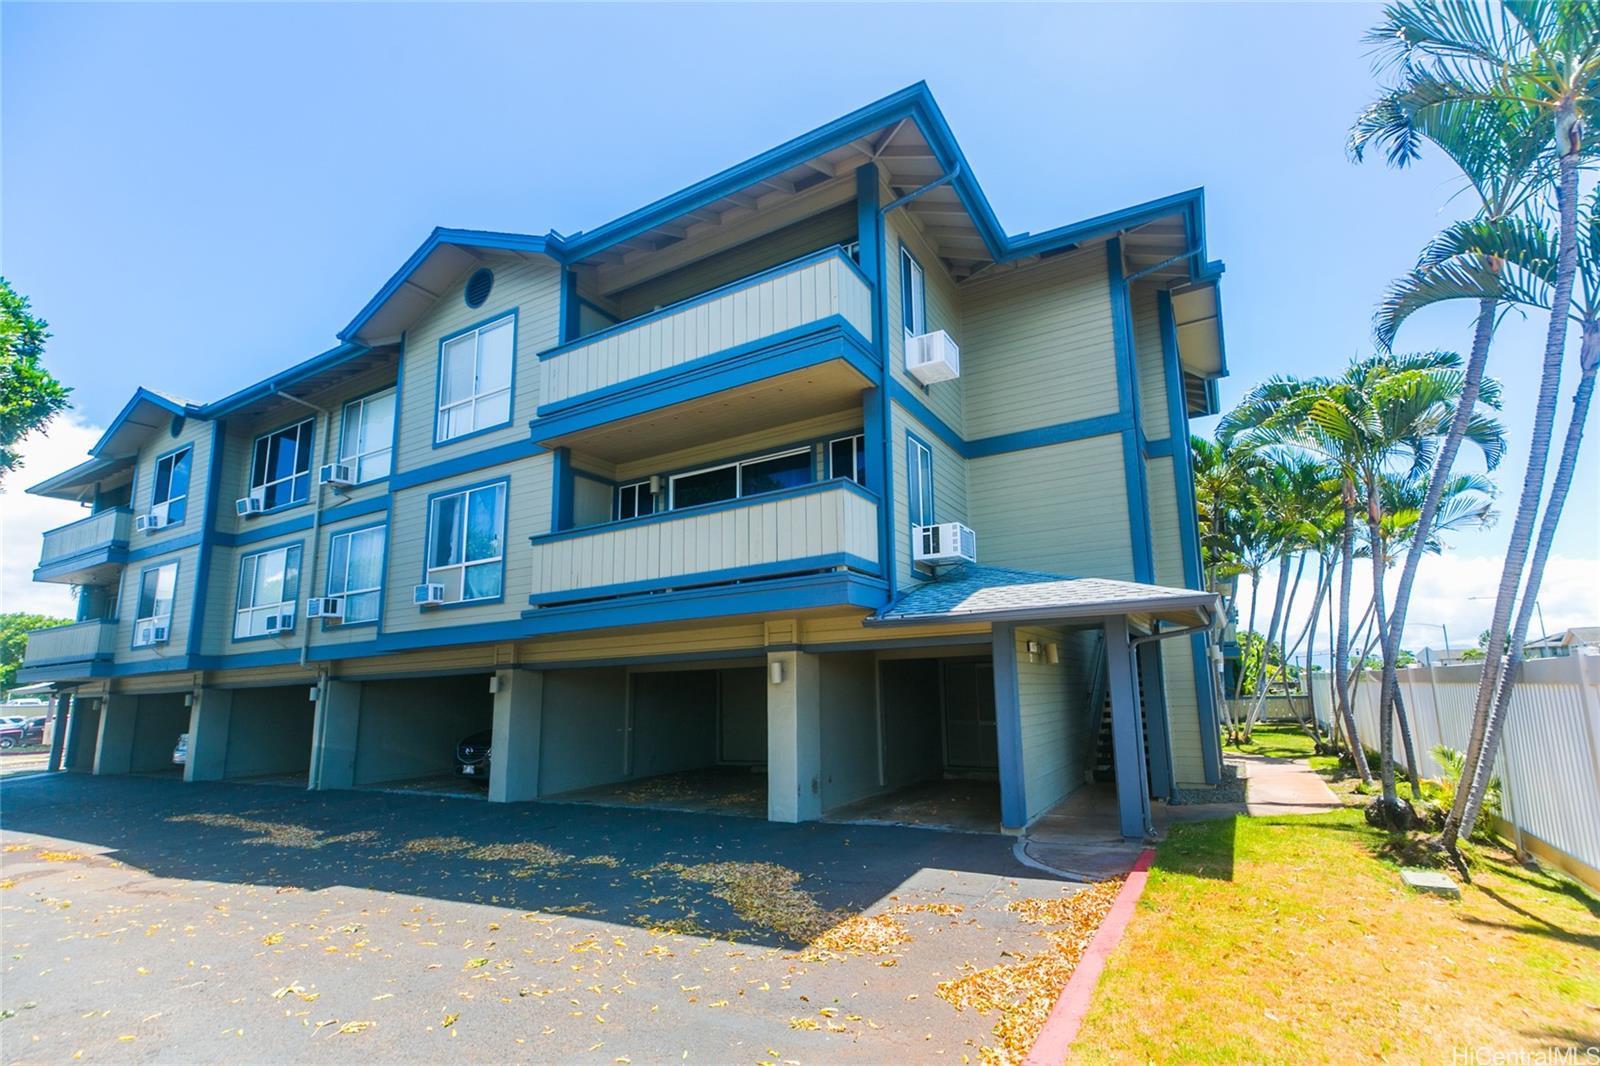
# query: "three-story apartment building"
809 468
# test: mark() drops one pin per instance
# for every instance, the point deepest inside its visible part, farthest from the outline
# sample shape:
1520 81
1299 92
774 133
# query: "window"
847 458
157 587
355 571
269 584
919 481
913 295
635 500
466 543
280 470
172 484
475 380
366 435
769 473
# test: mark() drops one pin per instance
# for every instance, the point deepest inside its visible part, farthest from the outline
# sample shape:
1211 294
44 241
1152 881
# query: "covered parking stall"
400 732
259 732
1070 657
135 732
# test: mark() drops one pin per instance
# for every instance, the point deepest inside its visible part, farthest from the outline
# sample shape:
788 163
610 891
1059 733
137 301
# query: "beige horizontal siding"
177 645
945 306
1061 509
950 502
1150 363
197 434
775 531
775 304
1041 344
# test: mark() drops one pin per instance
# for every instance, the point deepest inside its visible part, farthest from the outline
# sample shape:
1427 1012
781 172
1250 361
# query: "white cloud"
1454 592
24 518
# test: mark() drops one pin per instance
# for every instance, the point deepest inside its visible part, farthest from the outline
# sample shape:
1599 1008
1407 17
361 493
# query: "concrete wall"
269 731
83 731
1053 723
674 718
584 724
743 737
913 747
410 728
162 719
849 727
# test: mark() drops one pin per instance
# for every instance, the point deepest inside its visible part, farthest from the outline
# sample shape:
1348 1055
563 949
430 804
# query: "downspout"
316 517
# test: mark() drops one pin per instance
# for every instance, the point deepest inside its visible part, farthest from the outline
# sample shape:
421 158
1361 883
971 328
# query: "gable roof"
971 593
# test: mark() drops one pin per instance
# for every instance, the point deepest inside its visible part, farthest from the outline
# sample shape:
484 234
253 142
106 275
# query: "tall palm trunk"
1401 719
1589 361
1308 637
1385 720
1341 655
1263 672
1250 627
1288 612
1437 480
1533 480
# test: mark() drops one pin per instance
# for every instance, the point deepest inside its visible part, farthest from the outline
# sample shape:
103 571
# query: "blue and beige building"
810 470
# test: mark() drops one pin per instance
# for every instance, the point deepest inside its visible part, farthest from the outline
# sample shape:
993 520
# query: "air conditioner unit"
281 622
946 542
325 607
150 632
428 595
337 474
156 519
254 503
932 357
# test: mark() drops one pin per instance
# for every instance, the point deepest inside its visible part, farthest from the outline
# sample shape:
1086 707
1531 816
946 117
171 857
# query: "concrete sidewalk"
1283 786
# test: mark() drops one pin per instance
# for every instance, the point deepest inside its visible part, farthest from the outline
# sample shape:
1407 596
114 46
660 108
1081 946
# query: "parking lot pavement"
150 920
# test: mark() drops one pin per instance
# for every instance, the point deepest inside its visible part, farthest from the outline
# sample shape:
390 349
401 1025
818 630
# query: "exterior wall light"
775 671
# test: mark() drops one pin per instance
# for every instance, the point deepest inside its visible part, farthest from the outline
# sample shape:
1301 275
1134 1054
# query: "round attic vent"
478 286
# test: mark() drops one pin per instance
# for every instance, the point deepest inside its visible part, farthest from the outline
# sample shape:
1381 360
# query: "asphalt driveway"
146 919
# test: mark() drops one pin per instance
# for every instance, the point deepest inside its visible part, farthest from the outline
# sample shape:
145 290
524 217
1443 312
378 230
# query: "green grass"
1276 739
1291 938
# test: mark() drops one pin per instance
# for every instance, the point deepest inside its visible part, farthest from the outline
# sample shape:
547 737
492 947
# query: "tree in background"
14 641
29 395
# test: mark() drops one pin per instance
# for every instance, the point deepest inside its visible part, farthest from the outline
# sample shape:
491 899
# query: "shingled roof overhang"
995 594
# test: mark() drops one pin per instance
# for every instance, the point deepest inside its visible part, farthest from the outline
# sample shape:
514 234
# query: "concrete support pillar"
210 716
58 731
1153 686
1133 787
1008 731
333 735
794 737
518 728
113 748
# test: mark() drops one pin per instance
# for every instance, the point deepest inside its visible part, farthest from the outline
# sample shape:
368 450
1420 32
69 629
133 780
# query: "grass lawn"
1279 740
1289 938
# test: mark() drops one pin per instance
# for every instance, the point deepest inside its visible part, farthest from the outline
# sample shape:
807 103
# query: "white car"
180 754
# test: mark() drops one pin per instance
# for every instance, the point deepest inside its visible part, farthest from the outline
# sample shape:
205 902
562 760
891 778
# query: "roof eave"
270 386
1203 606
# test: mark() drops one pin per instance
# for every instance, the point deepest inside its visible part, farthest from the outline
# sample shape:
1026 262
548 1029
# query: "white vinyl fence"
1549 759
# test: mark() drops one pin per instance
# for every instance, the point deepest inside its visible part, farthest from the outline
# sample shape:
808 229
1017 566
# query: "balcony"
68 651
88 551
802 315
825 529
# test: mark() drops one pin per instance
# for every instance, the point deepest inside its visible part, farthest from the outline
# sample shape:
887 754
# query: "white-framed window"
280 468
269 586
466 543
366 435
153 617
355 571
913 295
919 482
172 484
847 458
475 379
748 477
635 500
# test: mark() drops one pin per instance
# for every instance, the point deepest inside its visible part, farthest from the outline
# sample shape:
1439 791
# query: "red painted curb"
1066 1017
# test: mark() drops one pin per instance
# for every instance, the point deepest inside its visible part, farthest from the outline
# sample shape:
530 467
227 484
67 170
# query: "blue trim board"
498 455
1000 443
728 370
784 568
202 573
567 317
166 547
1138 494
438 373
87 559
808 489
629 324
561 487
1008 728
505 529
872 250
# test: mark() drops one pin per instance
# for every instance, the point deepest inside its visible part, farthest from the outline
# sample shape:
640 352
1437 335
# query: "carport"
683 737
1064 648
138 732
262 733
399 733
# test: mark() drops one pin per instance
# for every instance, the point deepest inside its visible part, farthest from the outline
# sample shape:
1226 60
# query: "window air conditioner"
339 475
281 622
156 519
254 503
325 607
946 542
932 357
427 595
150 632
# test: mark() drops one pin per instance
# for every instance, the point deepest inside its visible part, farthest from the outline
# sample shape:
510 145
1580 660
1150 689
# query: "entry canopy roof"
970 593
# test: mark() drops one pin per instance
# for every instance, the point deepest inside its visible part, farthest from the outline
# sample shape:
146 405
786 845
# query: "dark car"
472 756
11 736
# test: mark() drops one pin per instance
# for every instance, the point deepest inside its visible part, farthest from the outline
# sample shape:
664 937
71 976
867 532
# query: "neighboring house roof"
970 593
1576 637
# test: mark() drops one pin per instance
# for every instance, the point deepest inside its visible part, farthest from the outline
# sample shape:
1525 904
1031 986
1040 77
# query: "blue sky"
197 195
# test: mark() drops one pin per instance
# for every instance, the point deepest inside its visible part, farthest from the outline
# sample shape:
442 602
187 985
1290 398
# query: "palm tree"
1544 57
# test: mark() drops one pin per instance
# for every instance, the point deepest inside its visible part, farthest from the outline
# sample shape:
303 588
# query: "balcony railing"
106 530
80 643
824 526
819 288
